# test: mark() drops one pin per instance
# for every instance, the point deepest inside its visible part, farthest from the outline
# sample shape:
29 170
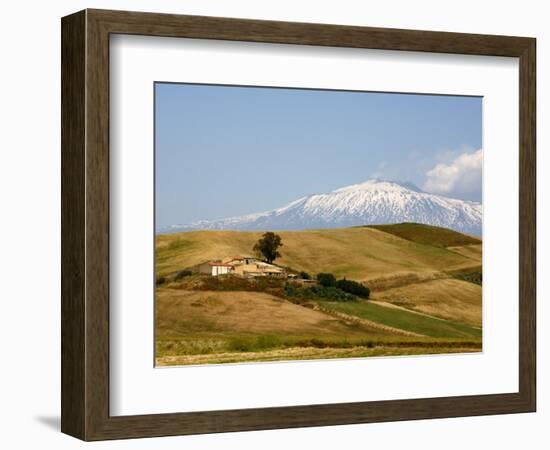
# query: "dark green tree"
353 287
326 279
267 246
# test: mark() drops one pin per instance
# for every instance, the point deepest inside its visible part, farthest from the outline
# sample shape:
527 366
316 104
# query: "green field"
404 320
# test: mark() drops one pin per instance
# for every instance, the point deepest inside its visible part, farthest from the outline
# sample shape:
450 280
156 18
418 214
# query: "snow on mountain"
371 202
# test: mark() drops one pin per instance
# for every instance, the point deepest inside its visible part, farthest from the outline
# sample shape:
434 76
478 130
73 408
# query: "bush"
474 277
304 275
182 274
329 293
236 283
160 280
318 292
291 291
353 287
326 279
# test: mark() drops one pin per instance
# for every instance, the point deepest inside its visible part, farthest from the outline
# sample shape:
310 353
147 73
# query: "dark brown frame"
85 224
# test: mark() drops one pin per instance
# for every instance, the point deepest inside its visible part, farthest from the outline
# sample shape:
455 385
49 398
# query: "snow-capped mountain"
371 202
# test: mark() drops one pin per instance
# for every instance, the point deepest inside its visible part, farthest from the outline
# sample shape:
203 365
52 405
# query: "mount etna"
372 202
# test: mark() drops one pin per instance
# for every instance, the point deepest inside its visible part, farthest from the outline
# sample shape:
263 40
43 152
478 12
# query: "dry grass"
470 251
399 279
205 327
180 313
199 323
445 298
309 353
356 253
428 234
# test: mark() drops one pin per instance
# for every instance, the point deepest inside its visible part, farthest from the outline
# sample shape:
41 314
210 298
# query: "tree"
267 246
326 279
353 287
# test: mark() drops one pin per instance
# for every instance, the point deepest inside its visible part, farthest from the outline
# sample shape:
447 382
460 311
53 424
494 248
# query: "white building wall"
219 270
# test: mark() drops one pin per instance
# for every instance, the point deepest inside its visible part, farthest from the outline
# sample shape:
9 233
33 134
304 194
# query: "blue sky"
224 151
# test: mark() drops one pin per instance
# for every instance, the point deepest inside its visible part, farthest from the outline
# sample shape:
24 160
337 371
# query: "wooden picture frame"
85 224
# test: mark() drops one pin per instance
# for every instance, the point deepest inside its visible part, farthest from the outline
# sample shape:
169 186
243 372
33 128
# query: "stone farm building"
244 266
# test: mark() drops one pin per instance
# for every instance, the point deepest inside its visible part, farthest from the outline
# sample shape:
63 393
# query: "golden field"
422 297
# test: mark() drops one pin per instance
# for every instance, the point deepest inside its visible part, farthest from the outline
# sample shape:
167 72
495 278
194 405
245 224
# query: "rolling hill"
447 298
198 327
360 253
245 312
428 235
419 302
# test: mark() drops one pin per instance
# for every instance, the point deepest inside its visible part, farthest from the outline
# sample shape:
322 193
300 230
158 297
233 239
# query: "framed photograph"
274 225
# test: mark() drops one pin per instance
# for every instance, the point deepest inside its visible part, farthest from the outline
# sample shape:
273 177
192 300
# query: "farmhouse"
213 268
244 266
236 260
259 269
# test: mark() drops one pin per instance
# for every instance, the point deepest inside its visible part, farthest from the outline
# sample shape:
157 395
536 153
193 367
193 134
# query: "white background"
139 388
30 237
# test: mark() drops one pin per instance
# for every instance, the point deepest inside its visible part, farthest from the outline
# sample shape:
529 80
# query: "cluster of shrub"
177 277
329 288
236 283
474 277
349 286
316 292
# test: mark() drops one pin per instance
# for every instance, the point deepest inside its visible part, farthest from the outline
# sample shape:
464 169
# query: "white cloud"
461 178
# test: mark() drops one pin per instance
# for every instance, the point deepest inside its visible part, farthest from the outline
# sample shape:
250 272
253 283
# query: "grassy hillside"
362 253
424 296
428 234
404 320
470 251
199 327
445 298
181 312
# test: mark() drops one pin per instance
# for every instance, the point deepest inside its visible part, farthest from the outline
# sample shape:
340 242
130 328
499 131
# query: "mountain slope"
372 202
